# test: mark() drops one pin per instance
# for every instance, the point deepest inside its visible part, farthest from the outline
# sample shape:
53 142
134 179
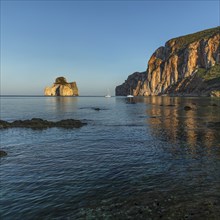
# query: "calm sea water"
149 160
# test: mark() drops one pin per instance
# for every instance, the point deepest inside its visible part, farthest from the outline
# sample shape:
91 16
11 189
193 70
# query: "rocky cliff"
62 88
187 65
132 85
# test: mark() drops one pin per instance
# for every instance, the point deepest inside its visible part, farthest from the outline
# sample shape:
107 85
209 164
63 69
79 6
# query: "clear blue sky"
95 43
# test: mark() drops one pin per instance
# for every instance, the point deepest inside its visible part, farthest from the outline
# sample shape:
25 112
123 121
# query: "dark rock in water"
69 123
38 123
97 109
132 102
187 108
94 108
3 153
4 124
215 105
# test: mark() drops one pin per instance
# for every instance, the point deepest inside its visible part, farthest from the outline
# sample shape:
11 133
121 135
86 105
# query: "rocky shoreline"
39 124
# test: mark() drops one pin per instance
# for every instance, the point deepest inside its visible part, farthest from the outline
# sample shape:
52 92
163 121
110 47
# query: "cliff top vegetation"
61 80
183 41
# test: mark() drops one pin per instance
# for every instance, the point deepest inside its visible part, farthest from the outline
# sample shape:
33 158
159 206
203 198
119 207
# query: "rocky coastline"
40 124
185 66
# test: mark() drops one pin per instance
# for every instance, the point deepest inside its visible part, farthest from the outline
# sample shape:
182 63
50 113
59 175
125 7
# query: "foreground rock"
185 66
38 123
62 88
2 153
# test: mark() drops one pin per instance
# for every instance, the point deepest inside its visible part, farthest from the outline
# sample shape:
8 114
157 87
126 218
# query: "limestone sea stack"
185 66
62 88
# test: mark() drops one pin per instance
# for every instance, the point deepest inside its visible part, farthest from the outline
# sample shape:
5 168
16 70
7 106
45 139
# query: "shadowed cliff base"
38 123
185 66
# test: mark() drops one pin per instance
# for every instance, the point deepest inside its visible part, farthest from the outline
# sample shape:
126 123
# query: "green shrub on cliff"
183 41
209 74
61 80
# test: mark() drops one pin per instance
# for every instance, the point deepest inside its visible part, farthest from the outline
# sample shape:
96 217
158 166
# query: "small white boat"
130 96
108 95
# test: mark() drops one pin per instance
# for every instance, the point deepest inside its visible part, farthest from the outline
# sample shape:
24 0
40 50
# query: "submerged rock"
38 123
97 109
94 108
3 153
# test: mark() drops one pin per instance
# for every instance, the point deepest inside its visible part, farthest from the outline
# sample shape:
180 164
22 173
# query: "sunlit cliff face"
176 67
171 64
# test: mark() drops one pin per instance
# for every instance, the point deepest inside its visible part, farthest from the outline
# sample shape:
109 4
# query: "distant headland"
62 88
185 66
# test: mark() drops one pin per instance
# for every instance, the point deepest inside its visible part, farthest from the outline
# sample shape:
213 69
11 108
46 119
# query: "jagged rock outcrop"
132 85
188 65
62 88
215 93
38 123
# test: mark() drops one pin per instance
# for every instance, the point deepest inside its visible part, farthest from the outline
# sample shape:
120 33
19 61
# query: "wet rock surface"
3 153
94 108
38 123
160 208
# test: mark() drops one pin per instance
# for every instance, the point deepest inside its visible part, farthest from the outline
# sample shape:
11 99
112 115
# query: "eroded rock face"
132 85
215 93
62 88
176 67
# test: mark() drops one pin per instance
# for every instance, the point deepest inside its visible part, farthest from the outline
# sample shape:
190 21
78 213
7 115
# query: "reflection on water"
62 104
150 160
169 120
130 100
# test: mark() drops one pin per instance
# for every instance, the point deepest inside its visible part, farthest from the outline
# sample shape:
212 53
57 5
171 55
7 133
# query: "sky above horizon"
95 43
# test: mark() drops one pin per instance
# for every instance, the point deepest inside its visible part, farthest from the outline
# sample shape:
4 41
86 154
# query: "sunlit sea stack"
62 88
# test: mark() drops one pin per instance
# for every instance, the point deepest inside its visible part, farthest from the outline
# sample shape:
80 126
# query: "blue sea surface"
139 158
